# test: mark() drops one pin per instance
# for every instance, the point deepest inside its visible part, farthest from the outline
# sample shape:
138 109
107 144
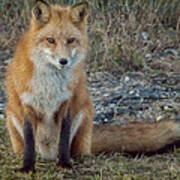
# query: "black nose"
63 61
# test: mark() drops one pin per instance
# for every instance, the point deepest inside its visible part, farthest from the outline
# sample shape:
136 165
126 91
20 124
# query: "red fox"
48 105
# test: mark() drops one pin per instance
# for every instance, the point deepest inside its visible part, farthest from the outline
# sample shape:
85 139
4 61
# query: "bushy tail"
136 137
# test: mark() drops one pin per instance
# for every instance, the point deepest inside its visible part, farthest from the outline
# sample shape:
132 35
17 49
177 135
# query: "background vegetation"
124 35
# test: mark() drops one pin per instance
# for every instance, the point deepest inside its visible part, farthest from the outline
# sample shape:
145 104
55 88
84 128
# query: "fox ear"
41 12
79 12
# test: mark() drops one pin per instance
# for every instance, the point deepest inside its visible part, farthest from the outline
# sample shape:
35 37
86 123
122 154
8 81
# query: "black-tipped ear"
41 12
79 12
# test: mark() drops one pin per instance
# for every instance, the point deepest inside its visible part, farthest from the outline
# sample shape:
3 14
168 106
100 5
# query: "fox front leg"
64 152
29 150
29 144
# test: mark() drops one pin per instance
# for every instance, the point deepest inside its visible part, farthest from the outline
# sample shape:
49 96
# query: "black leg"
64 146
29 150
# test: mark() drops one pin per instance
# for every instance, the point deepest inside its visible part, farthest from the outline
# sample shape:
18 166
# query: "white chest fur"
48 89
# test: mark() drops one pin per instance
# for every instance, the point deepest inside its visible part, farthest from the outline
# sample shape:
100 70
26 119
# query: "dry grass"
128 33
124 35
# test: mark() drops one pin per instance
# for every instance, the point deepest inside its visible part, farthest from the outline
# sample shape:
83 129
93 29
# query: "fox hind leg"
15 137
81 144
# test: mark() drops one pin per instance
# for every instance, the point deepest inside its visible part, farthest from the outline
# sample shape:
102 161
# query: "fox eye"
51 40
70 40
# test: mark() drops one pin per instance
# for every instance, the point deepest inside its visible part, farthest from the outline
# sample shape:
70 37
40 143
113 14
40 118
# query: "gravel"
123 98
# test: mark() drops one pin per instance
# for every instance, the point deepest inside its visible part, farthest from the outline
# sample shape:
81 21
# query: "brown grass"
124 35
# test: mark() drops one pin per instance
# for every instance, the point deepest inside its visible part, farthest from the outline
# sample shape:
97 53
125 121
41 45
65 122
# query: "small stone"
171 51
145 35
126 79
131 92
167 107
1 116
112 105
159 118
106 95
105 120
148 57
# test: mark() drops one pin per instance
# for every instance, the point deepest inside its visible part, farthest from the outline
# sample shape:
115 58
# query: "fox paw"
67 164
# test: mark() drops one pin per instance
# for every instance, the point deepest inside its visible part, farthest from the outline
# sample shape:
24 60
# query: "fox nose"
63 61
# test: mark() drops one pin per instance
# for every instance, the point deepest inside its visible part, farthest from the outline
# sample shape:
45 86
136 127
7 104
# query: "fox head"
58 34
